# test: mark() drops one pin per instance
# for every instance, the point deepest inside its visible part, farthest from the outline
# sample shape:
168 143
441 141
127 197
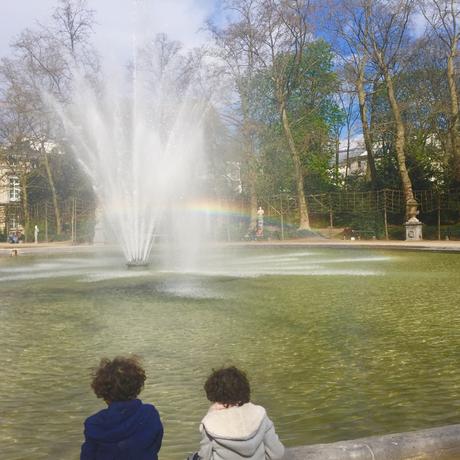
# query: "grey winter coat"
239 432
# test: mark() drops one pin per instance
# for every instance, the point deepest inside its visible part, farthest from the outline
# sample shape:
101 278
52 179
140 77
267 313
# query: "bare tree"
237 45
43 62
286 34
160 56
345 18
73 26
347 103
16 154
444 19
366 100
275 39
382 26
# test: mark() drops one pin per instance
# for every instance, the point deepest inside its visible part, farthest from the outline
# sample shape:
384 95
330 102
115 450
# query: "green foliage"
85 230
423 96
313 114
396 232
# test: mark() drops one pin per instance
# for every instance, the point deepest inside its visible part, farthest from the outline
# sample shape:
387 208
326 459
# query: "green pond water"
338 344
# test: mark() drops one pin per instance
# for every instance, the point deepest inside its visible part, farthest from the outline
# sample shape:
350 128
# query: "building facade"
352 157
10 201
10 196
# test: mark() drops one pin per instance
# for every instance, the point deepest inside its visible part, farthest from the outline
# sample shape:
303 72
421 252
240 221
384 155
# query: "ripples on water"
338 344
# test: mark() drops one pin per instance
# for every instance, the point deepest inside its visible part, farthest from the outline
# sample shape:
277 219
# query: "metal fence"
387 199
344 207
76 215
378 207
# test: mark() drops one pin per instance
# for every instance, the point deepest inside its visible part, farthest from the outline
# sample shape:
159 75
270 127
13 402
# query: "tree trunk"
337 160
249 158
347 164
304 221
250 175
25 206
57 212
367 134
253 203
400 138
454 121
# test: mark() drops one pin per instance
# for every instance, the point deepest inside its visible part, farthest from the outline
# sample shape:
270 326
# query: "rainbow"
217 208
200 206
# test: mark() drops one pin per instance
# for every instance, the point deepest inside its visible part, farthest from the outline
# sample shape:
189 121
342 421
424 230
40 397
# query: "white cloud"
418 24
117 20
183 20
19 14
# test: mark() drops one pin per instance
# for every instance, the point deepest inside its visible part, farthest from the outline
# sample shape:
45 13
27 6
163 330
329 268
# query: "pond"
337 343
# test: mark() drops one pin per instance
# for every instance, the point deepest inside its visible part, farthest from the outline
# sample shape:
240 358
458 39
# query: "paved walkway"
29 248
425 245
449 246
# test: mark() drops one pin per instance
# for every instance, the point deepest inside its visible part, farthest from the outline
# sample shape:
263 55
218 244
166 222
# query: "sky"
182 20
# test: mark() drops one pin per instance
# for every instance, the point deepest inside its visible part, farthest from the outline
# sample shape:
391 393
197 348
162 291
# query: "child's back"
239 432
234 428
127 428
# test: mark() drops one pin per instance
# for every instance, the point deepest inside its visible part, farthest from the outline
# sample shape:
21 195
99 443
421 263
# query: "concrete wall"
433 444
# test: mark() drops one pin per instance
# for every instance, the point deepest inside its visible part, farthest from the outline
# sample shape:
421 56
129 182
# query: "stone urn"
413 225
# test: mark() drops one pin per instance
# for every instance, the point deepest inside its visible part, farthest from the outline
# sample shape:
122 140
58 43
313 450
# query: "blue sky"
181 19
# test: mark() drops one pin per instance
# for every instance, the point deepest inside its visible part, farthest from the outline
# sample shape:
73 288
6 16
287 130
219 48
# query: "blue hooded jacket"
126 430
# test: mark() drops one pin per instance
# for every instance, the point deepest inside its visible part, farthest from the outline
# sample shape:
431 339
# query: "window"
12 222
15 190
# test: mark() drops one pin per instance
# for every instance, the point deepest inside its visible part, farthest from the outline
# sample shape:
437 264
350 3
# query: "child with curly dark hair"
234 428
127 429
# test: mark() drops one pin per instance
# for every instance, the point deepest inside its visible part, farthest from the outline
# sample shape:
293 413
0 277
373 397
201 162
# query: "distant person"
14 238
128 429
234 428
260 221
36 232
260 216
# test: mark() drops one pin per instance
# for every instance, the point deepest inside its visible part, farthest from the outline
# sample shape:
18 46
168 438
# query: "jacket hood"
234 423
124 422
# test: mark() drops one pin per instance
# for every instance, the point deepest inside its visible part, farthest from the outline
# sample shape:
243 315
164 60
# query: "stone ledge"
432 444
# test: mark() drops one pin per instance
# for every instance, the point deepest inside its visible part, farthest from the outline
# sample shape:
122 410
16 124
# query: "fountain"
140 139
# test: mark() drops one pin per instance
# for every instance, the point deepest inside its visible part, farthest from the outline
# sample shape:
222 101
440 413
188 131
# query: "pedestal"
413 229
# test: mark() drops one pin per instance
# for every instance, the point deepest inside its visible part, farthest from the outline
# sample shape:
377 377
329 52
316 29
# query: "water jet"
140 139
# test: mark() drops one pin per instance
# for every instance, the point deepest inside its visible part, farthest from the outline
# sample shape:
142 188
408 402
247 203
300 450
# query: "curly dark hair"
228 386
121 379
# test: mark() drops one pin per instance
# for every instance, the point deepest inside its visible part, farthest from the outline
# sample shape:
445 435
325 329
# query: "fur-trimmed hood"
237 422
239 432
